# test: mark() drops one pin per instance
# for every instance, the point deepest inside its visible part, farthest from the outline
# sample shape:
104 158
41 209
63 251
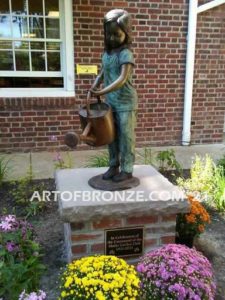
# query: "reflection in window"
19 6
35 7
19 25
37 45
6 45
52 28
4 7
31 82
52 8
5 26
36 27
22 60
20 45
53 61
6 60
38 61
53 46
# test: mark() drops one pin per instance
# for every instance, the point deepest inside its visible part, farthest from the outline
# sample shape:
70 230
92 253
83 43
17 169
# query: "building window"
33 44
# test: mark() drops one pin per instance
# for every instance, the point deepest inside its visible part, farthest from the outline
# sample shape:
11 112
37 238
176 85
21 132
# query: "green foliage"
61 163
22 193
201 175
207 181
221 163
4 168
20 258
219 192
146 156
97 161
23 190
164 160
167 161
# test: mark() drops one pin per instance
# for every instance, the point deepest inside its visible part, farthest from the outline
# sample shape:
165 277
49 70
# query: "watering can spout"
72 139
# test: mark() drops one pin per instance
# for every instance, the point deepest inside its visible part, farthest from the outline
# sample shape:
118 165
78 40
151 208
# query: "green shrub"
22 192
221 163
146 156
23 189
164 160
167 161
4 168
206 181
100 160
201 176
219 192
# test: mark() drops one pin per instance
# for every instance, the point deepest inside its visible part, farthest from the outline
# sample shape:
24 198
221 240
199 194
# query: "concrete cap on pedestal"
80 202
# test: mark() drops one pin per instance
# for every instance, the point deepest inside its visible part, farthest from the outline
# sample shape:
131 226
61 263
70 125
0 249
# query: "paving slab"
43 162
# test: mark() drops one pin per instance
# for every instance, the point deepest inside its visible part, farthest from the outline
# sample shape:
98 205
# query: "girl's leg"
114 146
127 123
113 154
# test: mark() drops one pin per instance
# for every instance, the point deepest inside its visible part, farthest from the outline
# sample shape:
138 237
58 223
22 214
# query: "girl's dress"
124 105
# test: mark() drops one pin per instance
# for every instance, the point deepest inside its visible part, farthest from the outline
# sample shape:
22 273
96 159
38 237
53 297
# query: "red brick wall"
160 29
209 84
29 124
87 238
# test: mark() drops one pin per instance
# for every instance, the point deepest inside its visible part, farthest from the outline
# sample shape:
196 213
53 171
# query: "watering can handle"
88 103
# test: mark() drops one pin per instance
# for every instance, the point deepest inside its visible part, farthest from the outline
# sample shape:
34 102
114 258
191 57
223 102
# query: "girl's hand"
89 94
95 92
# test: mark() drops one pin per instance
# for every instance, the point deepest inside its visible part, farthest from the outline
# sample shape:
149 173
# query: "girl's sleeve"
126 57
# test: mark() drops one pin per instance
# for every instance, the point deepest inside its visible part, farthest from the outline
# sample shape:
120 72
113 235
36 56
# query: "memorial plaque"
124 242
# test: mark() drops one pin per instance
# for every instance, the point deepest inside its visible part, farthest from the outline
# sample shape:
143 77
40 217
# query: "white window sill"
34 93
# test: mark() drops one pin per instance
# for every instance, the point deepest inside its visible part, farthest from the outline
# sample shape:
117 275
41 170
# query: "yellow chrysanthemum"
99 295
63 294
99 277
68 282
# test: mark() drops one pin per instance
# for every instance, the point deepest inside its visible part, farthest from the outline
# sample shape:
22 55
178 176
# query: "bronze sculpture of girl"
116 75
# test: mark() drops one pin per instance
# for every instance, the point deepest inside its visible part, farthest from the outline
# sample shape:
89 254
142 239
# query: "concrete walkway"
43 162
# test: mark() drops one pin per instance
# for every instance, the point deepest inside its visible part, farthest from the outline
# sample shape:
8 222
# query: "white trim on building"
189 77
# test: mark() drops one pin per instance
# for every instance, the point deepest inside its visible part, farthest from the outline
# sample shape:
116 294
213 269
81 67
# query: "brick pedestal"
87 213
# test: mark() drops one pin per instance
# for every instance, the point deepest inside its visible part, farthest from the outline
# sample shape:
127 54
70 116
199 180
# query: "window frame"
67 61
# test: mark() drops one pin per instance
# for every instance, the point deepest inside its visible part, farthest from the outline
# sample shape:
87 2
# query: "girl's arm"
98 80
118 83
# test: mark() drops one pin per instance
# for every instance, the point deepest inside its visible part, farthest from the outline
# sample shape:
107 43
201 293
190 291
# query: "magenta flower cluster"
21 267
12 231
176 272
40 295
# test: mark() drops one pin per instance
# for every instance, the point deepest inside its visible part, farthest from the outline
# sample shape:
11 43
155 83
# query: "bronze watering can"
97 124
